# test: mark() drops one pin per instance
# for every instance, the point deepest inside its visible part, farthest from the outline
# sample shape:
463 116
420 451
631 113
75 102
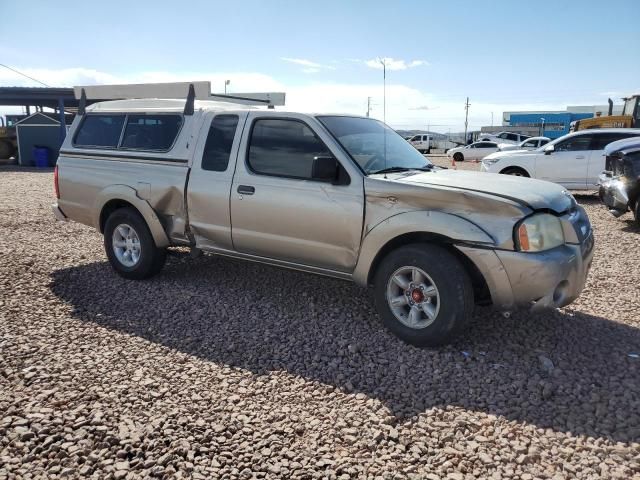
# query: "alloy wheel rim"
413 297
126 245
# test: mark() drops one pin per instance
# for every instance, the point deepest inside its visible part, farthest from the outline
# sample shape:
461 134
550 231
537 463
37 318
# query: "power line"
24 75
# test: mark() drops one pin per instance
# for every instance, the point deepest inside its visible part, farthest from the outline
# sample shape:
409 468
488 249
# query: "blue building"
550 124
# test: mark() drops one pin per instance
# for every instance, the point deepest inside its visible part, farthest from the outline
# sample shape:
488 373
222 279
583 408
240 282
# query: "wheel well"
110 207
506 169
480 289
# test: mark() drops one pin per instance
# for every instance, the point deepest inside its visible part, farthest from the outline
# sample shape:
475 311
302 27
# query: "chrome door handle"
580 157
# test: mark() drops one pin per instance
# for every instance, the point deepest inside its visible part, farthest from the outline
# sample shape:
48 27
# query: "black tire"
6 149
428 151
454 289
458 157
636 211
151 259
515 171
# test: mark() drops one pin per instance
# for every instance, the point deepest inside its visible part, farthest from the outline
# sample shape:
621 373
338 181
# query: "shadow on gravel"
262 319
19 169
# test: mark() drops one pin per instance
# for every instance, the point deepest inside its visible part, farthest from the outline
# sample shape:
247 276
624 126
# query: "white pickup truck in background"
422 142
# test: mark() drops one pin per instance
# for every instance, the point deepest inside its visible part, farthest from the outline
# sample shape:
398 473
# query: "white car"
529 144
422 143
574 161
503 137
476 151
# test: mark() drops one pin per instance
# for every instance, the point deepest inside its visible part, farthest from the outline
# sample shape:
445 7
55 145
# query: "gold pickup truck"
335 195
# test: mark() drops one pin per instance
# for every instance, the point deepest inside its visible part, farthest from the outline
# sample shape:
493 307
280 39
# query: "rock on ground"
223 369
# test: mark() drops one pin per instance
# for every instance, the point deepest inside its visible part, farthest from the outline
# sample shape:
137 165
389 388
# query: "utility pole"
466 119
368 105
492 119
226 82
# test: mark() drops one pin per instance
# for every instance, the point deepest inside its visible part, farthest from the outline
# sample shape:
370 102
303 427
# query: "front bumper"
58 213
549 279
613 193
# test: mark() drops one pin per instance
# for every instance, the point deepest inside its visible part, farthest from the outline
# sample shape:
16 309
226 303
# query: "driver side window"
575 144
284 148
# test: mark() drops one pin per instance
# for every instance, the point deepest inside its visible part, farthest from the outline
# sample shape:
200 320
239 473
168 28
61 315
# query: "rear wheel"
515 171
130 247
636 211
458 157
423 294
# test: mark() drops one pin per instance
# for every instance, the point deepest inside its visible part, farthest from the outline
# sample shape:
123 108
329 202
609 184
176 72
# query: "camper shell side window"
155 132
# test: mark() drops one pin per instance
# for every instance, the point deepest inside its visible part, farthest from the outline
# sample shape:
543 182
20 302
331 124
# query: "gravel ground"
224 369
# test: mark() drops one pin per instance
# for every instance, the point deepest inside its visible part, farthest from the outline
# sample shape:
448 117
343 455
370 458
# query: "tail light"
55 182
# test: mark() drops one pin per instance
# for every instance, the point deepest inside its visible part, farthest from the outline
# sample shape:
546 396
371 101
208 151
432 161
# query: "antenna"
466 119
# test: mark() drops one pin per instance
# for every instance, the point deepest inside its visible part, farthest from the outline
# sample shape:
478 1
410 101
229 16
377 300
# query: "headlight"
539 232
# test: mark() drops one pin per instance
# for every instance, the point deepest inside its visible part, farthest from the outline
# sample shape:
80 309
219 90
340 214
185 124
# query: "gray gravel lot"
224 369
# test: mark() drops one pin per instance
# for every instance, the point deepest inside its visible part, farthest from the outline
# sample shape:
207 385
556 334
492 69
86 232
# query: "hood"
507 153
528 192
512 149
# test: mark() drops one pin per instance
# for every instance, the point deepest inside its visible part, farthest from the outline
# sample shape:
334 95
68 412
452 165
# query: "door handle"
580 157
246 190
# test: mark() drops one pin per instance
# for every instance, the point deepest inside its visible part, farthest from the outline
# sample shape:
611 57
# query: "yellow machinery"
630 117
8 144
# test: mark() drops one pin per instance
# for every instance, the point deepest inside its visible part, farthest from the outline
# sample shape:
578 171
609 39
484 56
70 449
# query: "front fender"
458 229
128 194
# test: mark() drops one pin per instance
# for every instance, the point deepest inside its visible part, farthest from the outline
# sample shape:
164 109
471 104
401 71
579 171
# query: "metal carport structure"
57 99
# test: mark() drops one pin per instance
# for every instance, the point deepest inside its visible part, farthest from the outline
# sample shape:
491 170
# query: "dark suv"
620 181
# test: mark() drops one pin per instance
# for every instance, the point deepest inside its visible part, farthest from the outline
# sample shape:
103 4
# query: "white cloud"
310 67
393 64
406 107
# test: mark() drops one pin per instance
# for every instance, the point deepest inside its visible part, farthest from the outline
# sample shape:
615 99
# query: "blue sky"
504 55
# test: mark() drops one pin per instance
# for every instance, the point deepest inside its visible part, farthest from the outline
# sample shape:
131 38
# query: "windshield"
629 105
373 145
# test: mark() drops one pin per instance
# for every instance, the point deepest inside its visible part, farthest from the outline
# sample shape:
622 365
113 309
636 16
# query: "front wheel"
515 171
423 294
636 212
130 247
458 157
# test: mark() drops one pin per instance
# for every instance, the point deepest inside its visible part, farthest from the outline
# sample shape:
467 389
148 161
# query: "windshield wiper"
395 169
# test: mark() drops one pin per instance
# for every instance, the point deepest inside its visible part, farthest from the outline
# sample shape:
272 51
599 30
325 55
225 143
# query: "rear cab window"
217 149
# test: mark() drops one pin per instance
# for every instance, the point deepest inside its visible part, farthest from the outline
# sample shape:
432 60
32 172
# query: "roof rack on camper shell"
190 90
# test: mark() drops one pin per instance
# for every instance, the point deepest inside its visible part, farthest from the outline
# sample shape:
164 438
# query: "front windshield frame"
397 140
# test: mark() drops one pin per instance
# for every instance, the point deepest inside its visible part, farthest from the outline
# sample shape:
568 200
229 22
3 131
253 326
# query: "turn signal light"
523 238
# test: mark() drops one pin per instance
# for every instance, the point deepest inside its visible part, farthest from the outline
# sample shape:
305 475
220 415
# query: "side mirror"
325 169
548 149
